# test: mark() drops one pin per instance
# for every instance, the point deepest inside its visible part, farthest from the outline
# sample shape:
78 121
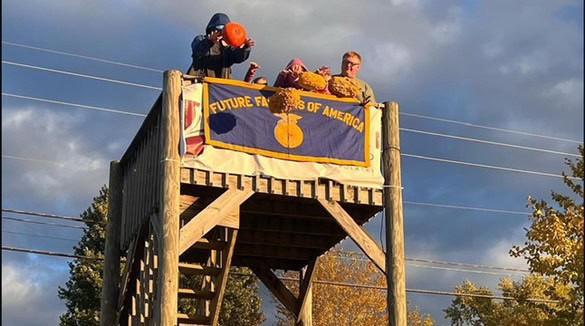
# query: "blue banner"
322 129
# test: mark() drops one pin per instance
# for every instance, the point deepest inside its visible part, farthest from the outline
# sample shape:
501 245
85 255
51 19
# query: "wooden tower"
167 219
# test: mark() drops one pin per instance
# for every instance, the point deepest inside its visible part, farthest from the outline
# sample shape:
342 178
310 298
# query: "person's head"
351 63
260 81
217 22
296 66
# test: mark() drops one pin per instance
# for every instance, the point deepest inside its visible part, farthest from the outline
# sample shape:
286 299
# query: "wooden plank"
228 203
198 269
275 285
221 281
305 317
357 233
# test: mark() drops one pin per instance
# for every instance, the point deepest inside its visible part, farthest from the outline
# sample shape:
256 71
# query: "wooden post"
111 276
395 273
168 248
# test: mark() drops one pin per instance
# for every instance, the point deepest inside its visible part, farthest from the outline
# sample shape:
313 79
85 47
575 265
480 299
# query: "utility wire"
402 129
363 257
488 142
501 168
8 218
60 217
74 105
41 252
48 253
485 166
32 160
467 207
80 75
402 113
340 254
491 128
39 236
81 56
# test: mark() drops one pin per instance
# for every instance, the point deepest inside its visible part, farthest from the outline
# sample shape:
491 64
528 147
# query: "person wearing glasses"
351 63
212 56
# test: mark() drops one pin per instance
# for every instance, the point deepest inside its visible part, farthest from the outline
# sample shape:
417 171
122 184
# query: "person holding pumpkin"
223 45
289 77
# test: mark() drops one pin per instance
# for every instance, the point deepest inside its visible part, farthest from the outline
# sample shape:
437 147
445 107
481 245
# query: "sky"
510 65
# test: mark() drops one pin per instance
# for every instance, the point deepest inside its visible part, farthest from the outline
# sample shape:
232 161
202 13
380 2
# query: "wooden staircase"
207 261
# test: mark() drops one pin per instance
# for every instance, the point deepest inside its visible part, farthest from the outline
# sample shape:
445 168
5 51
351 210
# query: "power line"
466 207
80 75
488 142
74 105
336 253
40 252
39 236
348 254
402 113
81 56
402 129
59 164
501 168
59 217
42 223
48 253
32 160
491 128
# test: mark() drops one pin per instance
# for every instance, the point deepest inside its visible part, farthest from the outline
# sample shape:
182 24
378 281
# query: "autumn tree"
341 304
554 253
82 292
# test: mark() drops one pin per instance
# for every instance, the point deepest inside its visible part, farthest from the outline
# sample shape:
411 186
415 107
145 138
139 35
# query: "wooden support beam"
275 285
305 317
396 275
357 233
221 281
111 274
226 206
168 274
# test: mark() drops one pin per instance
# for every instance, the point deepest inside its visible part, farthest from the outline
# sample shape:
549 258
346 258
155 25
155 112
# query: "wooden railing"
141 176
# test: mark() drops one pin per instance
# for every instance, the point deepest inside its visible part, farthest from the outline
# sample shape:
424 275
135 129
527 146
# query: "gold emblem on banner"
287 132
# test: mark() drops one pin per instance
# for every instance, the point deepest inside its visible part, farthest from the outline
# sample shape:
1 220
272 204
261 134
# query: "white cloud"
449 30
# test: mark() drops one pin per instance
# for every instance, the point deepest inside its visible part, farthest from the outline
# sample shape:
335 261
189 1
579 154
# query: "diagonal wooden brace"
356 233
226 206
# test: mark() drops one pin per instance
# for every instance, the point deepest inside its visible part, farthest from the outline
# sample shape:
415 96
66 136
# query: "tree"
82 292
346 305
554 253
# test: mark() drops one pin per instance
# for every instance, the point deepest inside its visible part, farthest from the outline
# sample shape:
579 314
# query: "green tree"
338 304
554 253
82 292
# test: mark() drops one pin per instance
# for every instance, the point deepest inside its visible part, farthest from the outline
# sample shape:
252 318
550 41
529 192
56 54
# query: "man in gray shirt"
351 63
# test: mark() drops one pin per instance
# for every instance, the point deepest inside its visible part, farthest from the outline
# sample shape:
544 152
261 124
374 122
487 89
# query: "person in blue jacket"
212 56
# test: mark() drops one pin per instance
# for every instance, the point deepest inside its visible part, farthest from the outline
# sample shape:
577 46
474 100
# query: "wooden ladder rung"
198 269
209 245
195 294
193 320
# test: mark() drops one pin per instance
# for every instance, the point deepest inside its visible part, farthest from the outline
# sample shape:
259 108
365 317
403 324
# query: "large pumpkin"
234 34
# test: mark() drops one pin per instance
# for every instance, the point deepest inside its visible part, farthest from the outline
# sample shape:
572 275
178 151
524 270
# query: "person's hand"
215 36
248 43
254 65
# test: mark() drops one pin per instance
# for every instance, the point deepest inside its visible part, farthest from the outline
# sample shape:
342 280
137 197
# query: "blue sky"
511 65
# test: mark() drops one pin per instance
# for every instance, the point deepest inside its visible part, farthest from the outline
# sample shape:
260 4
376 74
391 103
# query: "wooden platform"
282 223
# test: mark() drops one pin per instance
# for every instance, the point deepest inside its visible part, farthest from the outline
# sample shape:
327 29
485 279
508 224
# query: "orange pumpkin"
234 34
